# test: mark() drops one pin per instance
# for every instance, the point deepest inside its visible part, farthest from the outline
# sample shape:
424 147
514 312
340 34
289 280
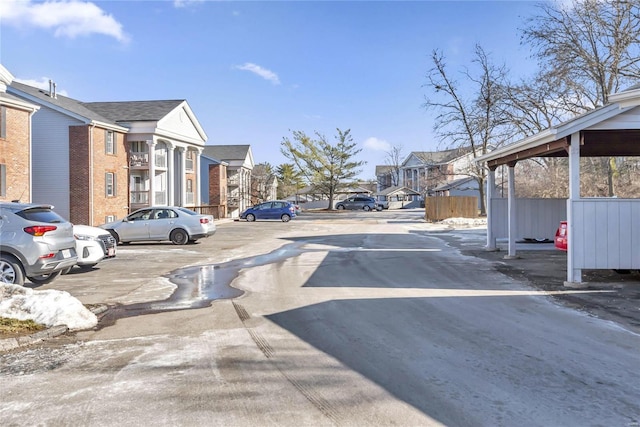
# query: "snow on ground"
49 307
470 222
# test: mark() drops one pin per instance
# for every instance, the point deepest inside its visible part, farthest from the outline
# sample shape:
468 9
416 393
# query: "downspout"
31 155
93 126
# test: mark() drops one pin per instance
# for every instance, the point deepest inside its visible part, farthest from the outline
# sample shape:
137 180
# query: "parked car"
383 204
159 223
359 202
93 244
35 243
272 209
560 240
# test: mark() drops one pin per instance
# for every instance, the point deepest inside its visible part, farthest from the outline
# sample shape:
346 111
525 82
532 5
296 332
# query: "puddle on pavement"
199 286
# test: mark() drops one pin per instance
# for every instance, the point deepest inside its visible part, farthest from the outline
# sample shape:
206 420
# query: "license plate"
111 251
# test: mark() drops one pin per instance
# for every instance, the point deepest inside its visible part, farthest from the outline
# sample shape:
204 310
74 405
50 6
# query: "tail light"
39 230
204 220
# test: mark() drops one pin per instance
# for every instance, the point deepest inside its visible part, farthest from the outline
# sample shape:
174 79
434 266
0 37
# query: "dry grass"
14 327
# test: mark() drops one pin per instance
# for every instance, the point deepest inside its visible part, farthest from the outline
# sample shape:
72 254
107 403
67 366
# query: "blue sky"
254 71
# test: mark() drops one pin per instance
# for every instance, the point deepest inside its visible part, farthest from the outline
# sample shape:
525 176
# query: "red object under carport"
561 236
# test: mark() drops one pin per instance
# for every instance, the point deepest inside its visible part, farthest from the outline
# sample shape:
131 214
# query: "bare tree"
262 178
476 122
593 46
588 49
393 160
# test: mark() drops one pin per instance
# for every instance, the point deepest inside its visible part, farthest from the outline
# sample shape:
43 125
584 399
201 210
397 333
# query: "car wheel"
285 218
366 208
10 271
340 207
43 279
179 237
379 208
251 217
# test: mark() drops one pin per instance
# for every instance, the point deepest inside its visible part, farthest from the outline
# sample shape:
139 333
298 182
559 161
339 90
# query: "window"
109 218
189 160
110 146
110 184
3 180
189 186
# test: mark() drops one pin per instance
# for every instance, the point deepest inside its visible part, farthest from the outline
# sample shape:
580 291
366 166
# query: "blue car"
274 209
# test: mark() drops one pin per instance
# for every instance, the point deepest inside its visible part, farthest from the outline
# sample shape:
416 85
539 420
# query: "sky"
254 72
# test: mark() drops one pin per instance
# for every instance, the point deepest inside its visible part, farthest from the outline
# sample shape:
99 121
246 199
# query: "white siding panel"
536 218
627 120
606 233
51 159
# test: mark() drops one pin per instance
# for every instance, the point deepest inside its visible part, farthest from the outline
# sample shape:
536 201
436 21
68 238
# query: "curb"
7 344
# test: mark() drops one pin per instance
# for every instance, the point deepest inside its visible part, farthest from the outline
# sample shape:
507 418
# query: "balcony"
139 198
139 159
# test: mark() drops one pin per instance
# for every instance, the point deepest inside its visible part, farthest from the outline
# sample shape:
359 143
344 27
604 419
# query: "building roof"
440 157
454 184
134 111
398 190
227 152
59 102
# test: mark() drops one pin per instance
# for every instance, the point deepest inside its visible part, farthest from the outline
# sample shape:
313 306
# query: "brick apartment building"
15 143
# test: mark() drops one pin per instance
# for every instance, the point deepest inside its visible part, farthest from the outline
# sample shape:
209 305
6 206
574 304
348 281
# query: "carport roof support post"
574 275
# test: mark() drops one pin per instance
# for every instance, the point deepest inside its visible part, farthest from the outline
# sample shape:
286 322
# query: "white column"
491 185
198 175
574 275
152 172
511 206
183 181
171 191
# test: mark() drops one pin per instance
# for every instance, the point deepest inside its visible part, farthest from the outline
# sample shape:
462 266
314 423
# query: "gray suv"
359 202
35 243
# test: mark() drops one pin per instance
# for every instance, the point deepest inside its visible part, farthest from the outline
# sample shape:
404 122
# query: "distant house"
398 197
422 171
460 187
239 160
79 158
15 143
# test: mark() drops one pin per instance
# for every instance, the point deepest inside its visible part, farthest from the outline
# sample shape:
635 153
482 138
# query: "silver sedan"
158 223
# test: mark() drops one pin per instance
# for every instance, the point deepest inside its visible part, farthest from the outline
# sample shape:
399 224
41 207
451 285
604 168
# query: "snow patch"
49 307
472 222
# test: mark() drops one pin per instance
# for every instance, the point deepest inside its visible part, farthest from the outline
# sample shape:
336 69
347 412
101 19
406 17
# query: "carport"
604 233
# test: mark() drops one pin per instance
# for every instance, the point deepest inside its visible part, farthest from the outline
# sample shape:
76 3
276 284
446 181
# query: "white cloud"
43 84
66 18
186 3
258 70
376 144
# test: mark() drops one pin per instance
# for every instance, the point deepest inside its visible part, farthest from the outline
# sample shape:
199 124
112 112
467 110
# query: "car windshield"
41 215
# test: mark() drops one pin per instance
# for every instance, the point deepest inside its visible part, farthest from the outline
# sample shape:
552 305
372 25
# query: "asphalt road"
338 319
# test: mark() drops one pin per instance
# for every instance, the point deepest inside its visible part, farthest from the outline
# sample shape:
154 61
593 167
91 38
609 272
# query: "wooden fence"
442 207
